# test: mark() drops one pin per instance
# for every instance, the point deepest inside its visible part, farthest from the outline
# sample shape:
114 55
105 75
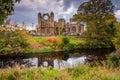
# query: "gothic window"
64 30
46 17
68 29
45 24
79 29
73 28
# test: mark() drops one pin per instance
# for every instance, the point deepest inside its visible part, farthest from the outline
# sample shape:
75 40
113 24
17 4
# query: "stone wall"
48 27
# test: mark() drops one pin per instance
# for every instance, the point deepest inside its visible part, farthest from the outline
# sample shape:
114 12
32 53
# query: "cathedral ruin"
48 27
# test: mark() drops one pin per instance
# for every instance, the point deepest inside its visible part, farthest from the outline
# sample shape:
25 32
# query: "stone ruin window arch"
64 30
45 16
74 28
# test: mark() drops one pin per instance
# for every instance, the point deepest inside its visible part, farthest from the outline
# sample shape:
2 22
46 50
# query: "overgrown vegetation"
116 39
113 61
13 40
103 31
100 21
61 43
77 73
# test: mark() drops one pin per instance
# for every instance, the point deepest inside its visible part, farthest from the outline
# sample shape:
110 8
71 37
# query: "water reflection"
71 62
22 63
75 61
57 61
37 62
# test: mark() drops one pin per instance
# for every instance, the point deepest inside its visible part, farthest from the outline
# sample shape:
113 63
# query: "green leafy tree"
98 15
116 39
6 8
13 40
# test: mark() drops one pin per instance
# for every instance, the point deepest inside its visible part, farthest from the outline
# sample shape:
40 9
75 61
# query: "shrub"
13 40
113 61
51 39
71 46
59 43
65 40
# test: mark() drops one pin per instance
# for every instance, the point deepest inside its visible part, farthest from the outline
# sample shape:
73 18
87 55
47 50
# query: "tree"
95 9
116 39
98 15
14 41
6 8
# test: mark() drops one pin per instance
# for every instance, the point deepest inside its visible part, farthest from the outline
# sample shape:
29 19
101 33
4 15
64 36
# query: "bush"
113 61
71 46
51 39
13 40
65 40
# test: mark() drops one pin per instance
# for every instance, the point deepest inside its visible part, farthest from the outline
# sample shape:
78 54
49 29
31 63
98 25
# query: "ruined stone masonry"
48 27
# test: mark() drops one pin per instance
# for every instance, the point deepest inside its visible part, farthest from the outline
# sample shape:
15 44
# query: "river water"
58 60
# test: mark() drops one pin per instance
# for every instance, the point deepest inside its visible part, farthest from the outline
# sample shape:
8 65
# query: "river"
57 60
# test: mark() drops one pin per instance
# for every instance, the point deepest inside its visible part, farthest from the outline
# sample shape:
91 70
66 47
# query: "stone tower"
46 25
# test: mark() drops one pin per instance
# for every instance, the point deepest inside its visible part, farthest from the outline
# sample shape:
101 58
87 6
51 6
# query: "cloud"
69 10
27 10
33 4
117 14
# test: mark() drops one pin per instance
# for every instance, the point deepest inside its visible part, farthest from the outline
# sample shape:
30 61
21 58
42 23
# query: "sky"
26 11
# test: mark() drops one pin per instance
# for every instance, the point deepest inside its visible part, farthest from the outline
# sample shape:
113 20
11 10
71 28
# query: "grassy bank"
59 43
77 73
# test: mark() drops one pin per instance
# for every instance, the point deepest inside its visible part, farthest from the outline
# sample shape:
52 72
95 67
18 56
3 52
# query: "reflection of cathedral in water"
48 27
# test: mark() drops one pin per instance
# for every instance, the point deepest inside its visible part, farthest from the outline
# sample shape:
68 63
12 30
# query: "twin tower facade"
48 27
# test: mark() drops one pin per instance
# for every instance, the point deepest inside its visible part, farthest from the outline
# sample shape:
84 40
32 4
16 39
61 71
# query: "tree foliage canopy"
98 15
6 8
116 39
13 40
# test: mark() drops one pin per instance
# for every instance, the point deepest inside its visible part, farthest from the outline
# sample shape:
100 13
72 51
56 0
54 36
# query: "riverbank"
48 45
76 73
57 44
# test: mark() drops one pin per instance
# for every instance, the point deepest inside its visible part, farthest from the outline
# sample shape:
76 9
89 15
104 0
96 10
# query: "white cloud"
33 4
69 10
27 10
117 14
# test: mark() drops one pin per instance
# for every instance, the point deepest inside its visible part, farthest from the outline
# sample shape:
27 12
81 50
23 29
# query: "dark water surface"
57 60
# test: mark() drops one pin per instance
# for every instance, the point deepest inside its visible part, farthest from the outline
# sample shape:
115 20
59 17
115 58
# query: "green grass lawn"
73 39
47 46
